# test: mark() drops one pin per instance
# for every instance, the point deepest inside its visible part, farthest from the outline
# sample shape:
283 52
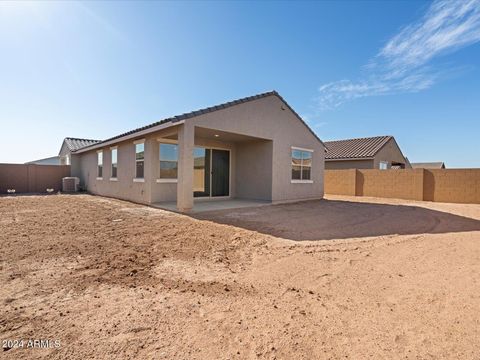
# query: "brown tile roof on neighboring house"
429 165
74 144
207 110
360 148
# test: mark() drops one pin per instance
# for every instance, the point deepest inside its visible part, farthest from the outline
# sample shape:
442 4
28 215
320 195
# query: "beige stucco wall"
390 152
261 171
269 118
254 169
348 164
124 187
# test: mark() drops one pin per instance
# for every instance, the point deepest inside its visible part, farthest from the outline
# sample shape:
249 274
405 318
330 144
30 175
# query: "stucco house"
379 152
257 147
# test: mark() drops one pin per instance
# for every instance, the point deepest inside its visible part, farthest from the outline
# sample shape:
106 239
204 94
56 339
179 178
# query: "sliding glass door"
211 172
201 172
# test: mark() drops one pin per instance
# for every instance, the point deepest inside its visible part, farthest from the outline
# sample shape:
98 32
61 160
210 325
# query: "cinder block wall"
31 178
340 182
400 184
446 185
452 185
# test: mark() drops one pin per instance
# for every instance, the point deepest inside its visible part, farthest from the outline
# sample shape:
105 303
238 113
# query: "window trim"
113 178
301 181
99 177
169 180
160 179
136 178
297 181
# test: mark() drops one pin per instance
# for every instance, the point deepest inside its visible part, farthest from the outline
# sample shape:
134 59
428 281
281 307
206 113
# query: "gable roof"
360 148
429 165
175 119
74 144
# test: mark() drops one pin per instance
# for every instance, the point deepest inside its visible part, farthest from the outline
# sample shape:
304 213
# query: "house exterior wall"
269 118
348 164
168 191
254 169
259 169
124 187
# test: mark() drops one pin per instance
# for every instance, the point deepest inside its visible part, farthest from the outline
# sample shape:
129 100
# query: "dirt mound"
108 279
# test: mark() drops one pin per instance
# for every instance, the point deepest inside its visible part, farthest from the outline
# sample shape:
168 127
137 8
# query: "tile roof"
207 110
429 165
74 144
355 148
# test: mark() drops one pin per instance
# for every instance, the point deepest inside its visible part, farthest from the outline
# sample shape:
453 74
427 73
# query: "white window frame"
160 179
99 152
136 178
301 181
112 149
383 163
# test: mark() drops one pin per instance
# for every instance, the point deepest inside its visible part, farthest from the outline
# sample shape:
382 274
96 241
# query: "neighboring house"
379 152
70 145
53 160
429 165
252 148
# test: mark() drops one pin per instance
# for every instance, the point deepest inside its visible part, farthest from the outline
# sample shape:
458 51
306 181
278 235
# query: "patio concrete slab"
201 205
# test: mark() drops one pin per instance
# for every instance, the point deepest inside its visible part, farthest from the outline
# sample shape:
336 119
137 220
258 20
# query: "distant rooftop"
429 165
355 148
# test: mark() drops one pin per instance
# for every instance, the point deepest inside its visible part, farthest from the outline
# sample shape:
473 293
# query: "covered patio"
212 169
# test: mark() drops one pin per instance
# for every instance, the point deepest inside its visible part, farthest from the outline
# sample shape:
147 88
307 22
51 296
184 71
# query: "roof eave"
355 158
129 136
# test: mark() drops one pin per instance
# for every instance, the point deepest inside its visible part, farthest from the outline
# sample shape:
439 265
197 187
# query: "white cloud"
404 63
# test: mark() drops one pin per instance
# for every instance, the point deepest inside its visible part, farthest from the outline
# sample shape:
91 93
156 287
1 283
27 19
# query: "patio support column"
186 135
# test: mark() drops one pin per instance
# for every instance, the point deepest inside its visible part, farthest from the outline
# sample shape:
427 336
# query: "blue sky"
351 69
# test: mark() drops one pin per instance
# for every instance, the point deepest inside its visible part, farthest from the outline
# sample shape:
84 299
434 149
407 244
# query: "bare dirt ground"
380 279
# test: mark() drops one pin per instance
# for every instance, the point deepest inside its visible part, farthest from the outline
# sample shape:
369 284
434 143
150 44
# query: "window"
168 161
100 164
139 160
301 165
67 160
383 165
114 163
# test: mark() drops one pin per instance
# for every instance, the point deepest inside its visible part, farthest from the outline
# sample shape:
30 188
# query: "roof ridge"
361 138
366 147
74 138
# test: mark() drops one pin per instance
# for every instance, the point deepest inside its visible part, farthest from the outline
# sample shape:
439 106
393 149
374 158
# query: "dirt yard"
380 279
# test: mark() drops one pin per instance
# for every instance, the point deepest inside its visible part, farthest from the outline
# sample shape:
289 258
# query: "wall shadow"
334 219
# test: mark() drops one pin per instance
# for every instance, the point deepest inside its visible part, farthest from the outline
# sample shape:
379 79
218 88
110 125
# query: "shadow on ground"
333 219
